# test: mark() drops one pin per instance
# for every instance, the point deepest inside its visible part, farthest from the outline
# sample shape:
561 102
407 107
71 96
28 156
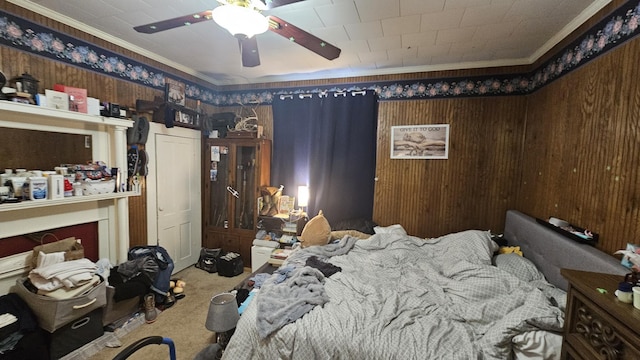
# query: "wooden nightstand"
597 325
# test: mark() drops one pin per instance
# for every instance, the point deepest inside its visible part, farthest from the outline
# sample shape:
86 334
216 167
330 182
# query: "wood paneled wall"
31 149
582 149
470 190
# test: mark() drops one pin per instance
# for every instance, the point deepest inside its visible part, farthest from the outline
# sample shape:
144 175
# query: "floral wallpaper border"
619 27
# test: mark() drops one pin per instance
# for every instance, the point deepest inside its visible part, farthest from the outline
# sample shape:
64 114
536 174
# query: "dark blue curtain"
328 143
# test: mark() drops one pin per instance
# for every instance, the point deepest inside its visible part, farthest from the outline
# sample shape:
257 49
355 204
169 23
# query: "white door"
178 198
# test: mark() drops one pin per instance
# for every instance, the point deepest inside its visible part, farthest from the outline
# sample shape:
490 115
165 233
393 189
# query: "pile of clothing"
20 336
53 272
148 269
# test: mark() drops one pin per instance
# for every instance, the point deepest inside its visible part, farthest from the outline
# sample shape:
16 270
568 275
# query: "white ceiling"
376 36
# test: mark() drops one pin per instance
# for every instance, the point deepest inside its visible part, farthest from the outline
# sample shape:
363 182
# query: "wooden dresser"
597 325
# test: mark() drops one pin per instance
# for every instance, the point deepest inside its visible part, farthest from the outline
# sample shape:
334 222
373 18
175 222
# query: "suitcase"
76 334
54 313
115 311
230 264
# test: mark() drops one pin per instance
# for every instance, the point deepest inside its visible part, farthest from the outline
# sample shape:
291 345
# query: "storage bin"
54 313
76 334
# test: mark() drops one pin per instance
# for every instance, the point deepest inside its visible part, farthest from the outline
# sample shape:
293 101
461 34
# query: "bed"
397 296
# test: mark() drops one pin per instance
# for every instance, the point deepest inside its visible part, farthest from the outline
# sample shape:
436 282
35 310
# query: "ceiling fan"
243 19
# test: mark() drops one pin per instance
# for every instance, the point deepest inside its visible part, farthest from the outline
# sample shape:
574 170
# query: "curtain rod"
323 94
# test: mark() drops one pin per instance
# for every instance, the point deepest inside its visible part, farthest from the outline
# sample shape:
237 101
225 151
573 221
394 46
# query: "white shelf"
109 211
32 204
34 113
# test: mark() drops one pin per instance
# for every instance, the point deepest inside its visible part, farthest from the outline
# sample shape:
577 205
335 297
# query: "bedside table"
597 325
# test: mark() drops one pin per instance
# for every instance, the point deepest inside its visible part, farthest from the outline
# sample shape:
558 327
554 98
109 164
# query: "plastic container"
36 188
56 186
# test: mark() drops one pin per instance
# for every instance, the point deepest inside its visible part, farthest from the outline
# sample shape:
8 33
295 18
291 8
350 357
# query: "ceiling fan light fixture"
239 20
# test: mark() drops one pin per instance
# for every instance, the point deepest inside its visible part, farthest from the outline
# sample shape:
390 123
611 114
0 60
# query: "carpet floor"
183 322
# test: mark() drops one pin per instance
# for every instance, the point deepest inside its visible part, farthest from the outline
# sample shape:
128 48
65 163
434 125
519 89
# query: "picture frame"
420 141
175 92
185 118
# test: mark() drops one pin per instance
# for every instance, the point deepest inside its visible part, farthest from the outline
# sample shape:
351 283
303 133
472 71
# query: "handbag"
208 260
73 250
230 264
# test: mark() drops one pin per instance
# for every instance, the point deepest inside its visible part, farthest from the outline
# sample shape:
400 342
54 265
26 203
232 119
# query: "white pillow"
391 229
537 344
519 266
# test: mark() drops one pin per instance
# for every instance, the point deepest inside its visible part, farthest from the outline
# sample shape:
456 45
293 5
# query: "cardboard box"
77 97
93 106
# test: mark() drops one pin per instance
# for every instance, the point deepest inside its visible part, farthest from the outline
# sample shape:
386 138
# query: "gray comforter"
404 297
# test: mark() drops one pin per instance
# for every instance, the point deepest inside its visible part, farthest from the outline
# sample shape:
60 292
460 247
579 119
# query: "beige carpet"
183 322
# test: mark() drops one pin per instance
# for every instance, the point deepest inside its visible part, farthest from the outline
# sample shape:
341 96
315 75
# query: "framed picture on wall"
175 92
420 142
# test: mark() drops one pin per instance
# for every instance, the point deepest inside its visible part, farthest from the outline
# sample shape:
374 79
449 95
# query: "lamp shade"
223 313
239 20
303 196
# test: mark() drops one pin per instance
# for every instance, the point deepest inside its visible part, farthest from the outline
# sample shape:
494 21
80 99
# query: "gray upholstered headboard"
551 251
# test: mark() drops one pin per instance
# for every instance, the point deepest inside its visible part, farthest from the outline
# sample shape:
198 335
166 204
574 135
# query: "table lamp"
222 317
303 197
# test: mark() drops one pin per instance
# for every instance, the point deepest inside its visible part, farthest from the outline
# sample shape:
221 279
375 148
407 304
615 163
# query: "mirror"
42 150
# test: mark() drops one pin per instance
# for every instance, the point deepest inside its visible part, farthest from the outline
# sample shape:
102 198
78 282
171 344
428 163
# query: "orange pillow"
316 232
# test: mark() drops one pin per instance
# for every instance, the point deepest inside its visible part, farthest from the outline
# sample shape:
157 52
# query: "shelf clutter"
276 238
65 181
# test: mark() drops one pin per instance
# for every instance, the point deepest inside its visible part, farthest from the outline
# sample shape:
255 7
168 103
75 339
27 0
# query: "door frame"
152 203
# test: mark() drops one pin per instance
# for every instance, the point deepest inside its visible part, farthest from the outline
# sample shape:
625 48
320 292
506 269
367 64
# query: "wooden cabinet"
233 172
597 325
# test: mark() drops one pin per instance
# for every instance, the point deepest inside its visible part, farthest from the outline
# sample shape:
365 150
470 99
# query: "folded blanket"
68 274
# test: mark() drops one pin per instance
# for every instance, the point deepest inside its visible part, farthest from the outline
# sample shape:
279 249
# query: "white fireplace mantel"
110 211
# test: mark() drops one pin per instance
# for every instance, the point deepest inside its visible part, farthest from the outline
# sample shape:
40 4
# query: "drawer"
593 334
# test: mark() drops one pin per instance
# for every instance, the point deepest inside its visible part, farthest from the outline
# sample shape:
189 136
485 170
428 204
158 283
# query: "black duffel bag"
208 260
230 264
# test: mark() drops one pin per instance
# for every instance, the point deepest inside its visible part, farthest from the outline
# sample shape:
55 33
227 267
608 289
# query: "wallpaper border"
620 26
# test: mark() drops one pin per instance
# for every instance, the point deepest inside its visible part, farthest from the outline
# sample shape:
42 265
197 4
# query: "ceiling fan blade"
270 4
249 51
301 37
174 23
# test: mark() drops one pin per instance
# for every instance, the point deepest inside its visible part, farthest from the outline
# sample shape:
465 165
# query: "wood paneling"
32 149
473 188
582 149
